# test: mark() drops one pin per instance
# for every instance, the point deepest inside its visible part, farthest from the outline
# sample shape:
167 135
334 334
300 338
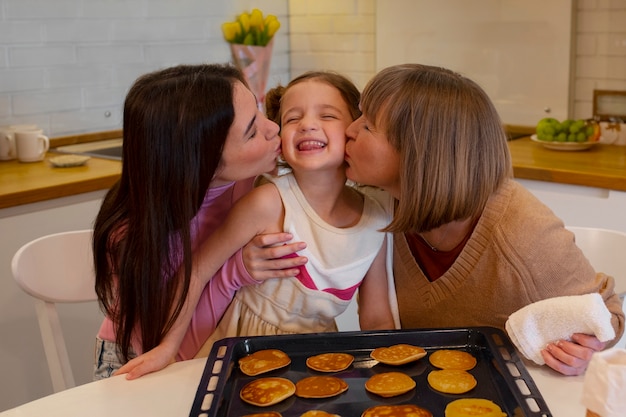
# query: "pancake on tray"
320 387
330 362
266 414
390 384
267 391
451 381
405 410
263 361
473 407
318 413
452 359
398 354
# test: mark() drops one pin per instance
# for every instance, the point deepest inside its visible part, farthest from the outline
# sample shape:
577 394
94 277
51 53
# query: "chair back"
606 251
56 268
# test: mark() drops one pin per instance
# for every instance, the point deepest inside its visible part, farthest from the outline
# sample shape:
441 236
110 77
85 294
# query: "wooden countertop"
24 183
602 166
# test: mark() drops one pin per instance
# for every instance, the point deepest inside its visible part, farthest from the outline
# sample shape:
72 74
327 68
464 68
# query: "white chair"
606 250
56 268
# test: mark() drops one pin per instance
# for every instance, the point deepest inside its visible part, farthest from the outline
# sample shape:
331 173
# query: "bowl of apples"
567 135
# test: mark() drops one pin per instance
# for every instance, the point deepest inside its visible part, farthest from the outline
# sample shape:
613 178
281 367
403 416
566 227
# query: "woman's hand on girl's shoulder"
269 256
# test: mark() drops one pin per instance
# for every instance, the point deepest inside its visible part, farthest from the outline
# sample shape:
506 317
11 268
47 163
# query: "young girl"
194 141
345 249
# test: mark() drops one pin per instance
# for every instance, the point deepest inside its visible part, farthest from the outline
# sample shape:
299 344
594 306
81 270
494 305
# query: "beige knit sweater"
519 253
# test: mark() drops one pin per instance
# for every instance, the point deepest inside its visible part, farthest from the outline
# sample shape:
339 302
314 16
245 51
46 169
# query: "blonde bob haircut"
452 145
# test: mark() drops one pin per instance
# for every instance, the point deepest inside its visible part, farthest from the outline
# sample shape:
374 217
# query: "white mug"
8 150
31 145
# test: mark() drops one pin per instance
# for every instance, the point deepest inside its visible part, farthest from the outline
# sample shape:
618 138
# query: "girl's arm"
255 213
374 309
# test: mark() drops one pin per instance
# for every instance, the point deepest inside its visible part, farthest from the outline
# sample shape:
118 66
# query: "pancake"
390 384
318 413
451 381
267 414
263 361
330 362
268 391
320 387
398 354
452 359
473 407
406 410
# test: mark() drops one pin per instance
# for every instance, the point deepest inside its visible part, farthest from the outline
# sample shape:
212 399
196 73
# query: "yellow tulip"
272 24
251 28
256 19
230 30
244 19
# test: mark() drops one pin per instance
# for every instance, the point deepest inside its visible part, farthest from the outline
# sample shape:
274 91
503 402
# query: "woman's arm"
258 211
374 308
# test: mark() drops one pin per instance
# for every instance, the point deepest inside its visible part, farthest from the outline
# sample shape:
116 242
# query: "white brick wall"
340 34
600 51
66 64
333 34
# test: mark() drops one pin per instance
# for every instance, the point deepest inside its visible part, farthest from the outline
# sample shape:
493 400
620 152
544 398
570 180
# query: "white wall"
341 34
600 61
333 35
506 46
67 64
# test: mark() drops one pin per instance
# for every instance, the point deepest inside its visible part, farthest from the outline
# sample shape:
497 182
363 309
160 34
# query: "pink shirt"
221 288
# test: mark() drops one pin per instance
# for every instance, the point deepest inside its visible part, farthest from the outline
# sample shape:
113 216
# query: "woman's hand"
572 357
151 361
263 256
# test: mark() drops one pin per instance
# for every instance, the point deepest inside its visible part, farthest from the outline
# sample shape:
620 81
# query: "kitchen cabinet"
581 205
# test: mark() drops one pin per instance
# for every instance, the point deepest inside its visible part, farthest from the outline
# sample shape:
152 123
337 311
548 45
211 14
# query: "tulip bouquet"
251 39
251 29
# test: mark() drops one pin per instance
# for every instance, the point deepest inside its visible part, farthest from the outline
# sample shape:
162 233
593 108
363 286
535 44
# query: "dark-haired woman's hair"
176 121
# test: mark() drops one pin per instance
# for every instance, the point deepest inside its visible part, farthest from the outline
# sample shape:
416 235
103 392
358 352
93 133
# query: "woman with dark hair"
194 141
471 246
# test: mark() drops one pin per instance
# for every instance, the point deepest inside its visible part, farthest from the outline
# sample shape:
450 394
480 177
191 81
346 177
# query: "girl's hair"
347 89
176 121
451 142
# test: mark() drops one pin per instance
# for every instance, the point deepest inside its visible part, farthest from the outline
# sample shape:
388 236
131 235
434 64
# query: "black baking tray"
500 373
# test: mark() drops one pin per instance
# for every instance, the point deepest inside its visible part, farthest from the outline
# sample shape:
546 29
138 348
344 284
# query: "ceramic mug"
8 150
31 145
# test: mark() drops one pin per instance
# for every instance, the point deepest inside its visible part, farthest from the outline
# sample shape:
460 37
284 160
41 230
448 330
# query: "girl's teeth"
311 145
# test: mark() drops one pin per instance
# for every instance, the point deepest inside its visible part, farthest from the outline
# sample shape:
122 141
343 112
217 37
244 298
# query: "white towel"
532 327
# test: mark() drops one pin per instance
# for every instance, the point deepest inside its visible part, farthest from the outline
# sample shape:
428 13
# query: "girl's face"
252 145
371 159
314 118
